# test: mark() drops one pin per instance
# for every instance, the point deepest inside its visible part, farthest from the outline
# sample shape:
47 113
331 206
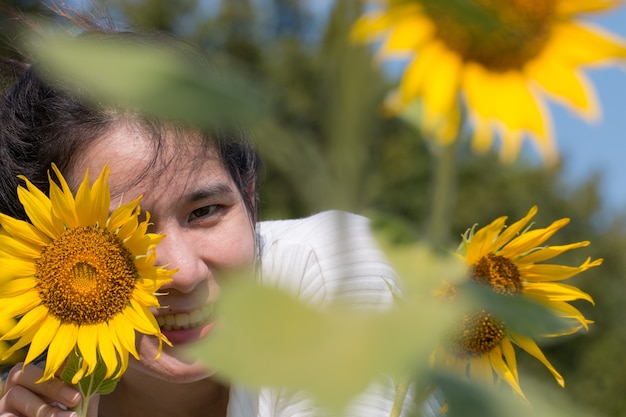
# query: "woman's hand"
23 397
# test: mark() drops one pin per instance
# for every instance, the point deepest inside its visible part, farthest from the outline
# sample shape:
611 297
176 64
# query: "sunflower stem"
82 407
443 194
402 387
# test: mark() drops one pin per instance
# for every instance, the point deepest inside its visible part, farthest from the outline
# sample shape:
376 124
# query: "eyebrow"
213 190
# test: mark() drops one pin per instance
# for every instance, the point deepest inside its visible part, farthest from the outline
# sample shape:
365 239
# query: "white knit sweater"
328 257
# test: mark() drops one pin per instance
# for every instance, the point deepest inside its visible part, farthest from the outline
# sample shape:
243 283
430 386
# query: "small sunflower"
497 58
506 259
78 279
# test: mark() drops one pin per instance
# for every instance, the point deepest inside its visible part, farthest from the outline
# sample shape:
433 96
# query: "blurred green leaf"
519 314
151 77
265 337
470 399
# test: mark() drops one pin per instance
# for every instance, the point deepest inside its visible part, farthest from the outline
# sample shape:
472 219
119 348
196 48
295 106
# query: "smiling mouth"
189 320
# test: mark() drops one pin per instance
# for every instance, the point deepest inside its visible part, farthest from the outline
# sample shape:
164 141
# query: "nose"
178 251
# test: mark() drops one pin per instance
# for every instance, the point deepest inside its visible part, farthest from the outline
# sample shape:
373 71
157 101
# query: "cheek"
235 248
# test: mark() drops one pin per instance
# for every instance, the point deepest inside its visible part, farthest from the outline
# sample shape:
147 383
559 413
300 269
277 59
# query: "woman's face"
196 204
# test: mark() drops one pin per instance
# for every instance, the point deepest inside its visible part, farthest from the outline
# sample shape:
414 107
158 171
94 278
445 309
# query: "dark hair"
41 125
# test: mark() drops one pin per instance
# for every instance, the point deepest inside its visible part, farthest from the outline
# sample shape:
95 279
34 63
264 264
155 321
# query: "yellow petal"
480 370
482 136
531 239
24 231
511 231
19 305
63 210
550 252
87 343
549 272
587 44
141 319
408 34
370 26
564 82
101 198
15 268
62 345
121 216
31 320
508 352
17 286
124 333
107 349
84 210
531 347
504 372
415 76
41 341
11 247
440 91
38 209
483 240
556 292
23 341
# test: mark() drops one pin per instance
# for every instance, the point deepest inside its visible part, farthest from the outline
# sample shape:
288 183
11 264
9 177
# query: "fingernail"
70 395
68 414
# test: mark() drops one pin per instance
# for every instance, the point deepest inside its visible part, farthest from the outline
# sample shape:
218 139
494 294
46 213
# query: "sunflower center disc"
499 35
86 276
480 334
499 273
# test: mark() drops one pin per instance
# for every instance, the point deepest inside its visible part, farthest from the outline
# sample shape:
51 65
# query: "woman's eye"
203 211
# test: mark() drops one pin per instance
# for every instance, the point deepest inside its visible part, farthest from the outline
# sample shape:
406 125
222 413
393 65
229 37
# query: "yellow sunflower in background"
498 58
507 260
77 277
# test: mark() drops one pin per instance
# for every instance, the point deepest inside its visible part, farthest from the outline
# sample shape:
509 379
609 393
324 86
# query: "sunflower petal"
87 344
38 209
550 272
511 231
531 348
550 252
41 340
483 241
504 372
531 239
61 346
556 292
106 349
26 231
31 320
101 198
84 209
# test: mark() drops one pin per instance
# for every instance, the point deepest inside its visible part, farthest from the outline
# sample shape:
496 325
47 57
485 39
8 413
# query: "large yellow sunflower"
507 260
77 277
498 58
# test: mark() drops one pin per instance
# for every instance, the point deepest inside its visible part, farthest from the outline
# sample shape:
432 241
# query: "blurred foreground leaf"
467 399
265 337
152 77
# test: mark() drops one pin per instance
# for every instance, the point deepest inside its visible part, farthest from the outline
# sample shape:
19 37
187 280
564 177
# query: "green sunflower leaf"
95 383
159 78
285 343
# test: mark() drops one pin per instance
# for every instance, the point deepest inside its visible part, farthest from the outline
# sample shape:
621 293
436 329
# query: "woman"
200 188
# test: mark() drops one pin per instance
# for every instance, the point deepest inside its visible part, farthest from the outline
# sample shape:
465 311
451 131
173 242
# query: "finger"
22 402
92 407
54 390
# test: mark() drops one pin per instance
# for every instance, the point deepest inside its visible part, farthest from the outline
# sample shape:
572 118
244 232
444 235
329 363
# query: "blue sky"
600 147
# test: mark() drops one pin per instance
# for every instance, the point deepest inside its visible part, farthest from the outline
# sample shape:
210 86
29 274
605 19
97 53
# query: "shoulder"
331 255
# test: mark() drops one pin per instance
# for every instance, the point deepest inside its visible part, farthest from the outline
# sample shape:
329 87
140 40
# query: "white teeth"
185 320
